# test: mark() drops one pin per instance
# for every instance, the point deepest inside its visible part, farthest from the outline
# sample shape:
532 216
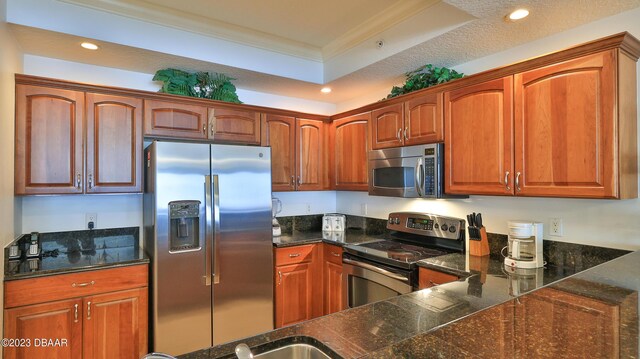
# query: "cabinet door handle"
293 181
335 254
279 277
293 255
299 181
204 128
212 122
518 181
90 181
88 310
406 129
75 313
506 181
398 136
80 285
79 181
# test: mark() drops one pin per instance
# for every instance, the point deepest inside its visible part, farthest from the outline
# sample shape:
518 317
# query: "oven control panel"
425 224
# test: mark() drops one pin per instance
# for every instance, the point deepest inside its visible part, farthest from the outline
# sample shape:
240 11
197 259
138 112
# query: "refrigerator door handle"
216 229
208 234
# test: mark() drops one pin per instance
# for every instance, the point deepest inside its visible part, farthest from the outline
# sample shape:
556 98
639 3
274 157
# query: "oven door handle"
376 269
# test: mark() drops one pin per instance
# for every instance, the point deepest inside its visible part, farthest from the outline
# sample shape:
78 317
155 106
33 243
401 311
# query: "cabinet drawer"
293 255
332 254
64 286
430 278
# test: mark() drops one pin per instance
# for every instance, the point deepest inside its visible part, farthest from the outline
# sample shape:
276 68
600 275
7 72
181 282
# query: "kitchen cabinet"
428 278
413 122
102 314
53 131
228 125
298 292
332 277
479 138
298 159
567 129
350 148
114 144
49 140
175 120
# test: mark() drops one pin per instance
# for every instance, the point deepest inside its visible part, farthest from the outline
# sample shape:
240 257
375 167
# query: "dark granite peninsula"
479 311
75 251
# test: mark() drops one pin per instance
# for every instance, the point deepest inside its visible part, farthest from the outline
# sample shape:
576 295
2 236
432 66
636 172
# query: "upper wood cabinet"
298 159
479 138
114 144
567 129
413 122
49 157
234 126
172 119
58 130
350 148
279 133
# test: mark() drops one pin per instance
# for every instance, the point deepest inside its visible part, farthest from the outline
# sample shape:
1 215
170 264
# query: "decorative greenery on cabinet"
210 85
422 77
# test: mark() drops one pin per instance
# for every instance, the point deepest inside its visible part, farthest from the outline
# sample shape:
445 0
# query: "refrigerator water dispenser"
184 226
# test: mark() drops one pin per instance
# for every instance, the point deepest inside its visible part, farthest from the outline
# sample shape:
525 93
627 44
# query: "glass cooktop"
395 251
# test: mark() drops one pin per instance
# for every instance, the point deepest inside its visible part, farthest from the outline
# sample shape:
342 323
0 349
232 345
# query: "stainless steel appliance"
524 248
207 219
386 268
412 172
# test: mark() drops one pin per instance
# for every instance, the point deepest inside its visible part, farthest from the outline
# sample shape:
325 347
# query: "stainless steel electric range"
385 268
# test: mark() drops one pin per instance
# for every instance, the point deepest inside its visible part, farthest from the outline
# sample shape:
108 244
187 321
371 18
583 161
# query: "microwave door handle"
208 233
216 229
417 177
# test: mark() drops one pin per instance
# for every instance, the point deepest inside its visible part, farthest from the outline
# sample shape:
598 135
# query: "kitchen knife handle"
406 138
518 181
506 181
398 135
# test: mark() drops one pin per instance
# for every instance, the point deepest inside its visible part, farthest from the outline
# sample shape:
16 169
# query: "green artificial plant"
211 85
422 77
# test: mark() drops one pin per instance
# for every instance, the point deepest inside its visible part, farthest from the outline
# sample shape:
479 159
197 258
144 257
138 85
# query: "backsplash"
313 223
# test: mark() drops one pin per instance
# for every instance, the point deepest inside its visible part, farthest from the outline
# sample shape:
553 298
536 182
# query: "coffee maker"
524 249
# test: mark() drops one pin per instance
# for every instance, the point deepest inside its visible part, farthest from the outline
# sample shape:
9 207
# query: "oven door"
397 177
364 283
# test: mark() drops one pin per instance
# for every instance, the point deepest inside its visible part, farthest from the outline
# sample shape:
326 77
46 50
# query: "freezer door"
243 259
181 292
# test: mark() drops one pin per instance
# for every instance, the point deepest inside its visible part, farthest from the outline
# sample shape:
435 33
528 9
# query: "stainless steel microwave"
411 172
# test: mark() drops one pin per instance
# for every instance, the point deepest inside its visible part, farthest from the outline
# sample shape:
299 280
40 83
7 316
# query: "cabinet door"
310 153
293 293
479 139
428 278
387 126
58 322
49 141
115 325
332 276
565 129
423 120
279 133
228 125
114 144
350 153
174 120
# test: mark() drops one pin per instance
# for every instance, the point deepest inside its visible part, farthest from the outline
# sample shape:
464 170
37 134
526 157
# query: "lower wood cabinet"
428 278
94 323
332 278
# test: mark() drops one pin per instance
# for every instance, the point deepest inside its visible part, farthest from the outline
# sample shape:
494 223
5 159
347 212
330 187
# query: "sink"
294 351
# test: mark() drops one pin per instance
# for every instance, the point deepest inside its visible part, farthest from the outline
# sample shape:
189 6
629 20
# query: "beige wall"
10 63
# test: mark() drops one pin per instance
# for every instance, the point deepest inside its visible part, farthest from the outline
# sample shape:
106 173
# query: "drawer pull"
75 313
335 254
294 255
79 285
88 310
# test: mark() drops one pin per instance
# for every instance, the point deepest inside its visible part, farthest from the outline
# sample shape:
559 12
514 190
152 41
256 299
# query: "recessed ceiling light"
89 46
325 90
518 14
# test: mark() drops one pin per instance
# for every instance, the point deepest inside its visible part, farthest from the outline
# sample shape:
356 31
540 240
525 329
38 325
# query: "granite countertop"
350 236
397 327
66 252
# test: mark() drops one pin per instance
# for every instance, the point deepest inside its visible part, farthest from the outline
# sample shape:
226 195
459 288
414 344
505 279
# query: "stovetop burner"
395 252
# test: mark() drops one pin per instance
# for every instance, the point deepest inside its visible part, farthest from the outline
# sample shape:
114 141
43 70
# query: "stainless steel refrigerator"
207 219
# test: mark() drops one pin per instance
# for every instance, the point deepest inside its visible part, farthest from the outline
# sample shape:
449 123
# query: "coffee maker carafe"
524 249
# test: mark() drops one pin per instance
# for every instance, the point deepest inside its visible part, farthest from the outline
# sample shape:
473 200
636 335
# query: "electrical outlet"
556 227
91 219
363 209
308 207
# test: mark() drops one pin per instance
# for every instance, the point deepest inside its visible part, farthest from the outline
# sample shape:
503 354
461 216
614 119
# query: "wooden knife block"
479 248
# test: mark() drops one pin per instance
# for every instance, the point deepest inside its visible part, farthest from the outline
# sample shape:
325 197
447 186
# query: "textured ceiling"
488 34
